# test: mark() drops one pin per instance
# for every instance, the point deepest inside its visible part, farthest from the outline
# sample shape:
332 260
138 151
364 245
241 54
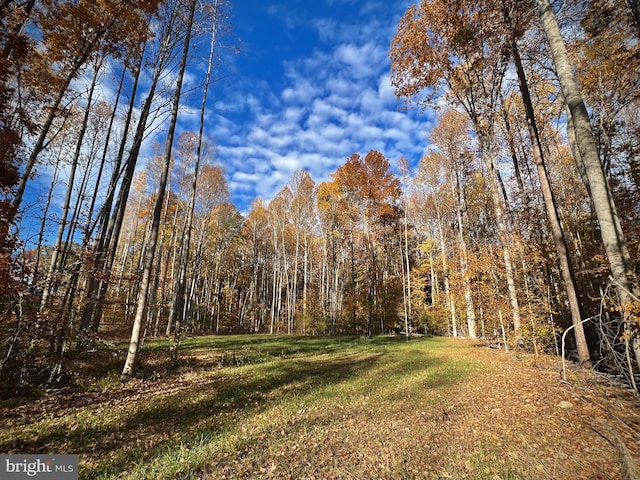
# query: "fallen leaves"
493 415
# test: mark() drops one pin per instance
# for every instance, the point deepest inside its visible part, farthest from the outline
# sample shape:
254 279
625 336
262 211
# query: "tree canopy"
518 222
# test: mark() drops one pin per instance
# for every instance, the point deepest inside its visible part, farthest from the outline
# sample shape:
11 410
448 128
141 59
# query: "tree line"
520 220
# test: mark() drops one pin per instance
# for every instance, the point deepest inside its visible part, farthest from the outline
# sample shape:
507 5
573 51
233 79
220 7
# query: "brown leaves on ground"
513 419
507 416
545 428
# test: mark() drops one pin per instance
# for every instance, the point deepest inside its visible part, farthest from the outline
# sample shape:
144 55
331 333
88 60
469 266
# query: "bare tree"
152 239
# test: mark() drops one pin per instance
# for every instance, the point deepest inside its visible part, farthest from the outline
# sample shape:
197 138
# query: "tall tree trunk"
514 154
406 281
559 238
117 218
132 355
404 292
612 236
294 295
447 287
501 220
434 278
105 212
274 284
305 283
464 257
180 286
58 247
43 222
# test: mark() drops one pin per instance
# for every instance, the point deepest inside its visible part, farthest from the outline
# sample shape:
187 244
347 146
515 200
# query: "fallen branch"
630 469
564 336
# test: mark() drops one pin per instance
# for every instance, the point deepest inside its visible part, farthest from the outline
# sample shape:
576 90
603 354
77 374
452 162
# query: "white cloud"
327 28
293 115
323 112
300 92
332 102
244 180
370 102
362 60
386 91
339 87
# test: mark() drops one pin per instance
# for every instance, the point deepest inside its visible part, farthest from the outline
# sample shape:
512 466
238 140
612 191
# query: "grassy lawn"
305 407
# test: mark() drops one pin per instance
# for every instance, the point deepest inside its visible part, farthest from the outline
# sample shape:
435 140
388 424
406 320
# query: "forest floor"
333 407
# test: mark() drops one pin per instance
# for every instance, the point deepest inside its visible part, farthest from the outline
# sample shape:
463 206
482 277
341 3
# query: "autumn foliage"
459 242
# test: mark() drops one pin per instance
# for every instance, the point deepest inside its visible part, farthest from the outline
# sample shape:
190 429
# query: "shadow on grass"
213 404
143 430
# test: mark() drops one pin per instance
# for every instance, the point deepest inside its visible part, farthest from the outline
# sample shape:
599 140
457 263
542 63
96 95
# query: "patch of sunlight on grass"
318 388
236 417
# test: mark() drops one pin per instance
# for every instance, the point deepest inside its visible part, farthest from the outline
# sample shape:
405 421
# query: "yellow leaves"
633 312
427 246
327 196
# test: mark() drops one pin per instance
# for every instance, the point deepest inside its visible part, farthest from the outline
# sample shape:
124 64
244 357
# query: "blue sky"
309 88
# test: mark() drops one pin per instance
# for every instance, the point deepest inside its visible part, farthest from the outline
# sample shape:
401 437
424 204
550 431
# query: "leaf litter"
502 416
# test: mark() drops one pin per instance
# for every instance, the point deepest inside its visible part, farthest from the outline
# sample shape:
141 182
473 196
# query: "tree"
160 59
440 45
370 194
607 64
302 187
15 46
329 206
558 235
179 304
430 180
405 170
256 234
588 160
72 34
141 304
451 136
58 247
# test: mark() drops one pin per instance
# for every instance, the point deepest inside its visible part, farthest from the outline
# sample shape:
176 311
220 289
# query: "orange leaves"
415 56
633 314
72 31
367 184
429 39
363 189
458 44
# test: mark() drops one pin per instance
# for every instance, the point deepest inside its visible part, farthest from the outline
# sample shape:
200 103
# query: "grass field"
330 407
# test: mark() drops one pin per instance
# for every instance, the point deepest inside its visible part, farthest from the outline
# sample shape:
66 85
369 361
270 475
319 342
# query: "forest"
520 223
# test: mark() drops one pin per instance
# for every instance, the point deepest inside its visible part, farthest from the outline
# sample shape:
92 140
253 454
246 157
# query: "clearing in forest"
333 407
